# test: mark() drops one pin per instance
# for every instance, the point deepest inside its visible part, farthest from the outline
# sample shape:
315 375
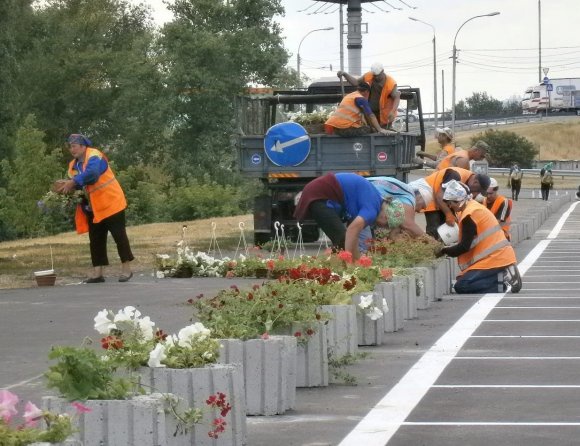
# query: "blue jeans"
481 281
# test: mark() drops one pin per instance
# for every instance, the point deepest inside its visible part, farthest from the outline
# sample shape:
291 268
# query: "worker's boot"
512 279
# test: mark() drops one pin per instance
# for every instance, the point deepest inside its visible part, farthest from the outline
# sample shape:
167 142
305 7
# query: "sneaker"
513 279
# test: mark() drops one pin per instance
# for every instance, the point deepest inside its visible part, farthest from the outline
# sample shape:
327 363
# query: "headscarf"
77 138
456 191
395 213
422 187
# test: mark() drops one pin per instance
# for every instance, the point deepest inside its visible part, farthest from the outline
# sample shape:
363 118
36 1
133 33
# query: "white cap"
447 131
377 68
492 183
449 234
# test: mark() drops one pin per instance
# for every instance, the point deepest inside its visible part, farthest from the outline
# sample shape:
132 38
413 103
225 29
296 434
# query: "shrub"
506 148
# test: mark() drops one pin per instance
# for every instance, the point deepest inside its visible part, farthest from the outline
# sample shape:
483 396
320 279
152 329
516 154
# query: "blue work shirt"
96 166
361 198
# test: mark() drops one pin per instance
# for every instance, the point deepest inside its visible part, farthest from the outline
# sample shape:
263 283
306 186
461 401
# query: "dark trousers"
516 186
433 220
479 281
545 191
98 232
329 221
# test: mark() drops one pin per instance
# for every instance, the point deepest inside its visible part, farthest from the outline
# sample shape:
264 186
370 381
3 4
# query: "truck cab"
368 155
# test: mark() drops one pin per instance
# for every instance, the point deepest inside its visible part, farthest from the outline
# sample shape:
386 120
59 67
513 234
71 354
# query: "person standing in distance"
103 209
515 180
384 96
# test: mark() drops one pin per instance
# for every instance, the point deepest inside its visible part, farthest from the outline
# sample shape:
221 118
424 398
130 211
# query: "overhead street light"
434 67
305 36
491 14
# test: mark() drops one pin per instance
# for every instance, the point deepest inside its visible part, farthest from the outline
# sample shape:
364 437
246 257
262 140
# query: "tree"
29 177
507 148
213 50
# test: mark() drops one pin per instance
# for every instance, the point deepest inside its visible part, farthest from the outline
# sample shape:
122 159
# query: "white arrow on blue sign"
546 80
287 144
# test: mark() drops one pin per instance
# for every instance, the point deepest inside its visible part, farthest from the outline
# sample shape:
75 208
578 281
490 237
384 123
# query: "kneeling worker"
486 258
499 206
353 115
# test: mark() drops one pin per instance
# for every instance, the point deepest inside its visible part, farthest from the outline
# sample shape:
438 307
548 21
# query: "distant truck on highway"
562 94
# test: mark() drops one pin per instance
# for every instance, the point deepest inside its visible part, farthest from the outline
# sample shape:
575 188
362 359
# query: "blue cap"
77 138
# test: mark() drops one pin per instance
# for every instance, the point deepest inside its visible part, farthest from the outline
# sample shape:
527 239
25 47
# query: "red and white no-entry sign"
382 156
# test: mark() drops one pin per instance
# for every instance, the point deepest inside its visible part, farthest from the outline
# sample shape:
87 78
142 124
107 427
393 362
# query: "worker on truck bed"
463 158
353 114
444 137
335 199
437 212
486 258
384 96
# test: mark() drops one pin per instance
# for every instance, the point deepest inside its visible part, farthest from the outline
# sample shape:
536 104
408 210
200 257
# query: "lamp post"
298 54
491 14
434 66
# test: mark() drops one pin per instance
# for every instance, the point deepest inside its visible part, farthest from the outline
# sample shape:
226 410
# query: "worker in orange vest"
436 211
444 137
103 209
499 206
463 158
353 115
486 258
384 96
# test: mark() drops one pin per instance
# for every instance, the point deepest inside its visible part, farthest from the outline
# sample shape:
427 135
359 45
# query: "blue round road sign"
287 144
546 80
256 158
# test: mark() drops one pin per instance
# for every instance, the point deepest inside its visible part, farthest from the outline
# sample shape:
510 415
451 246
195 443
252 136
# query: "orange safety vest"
436 179
447 149
386 101
489 249
347 114
450 160
506 224
106 196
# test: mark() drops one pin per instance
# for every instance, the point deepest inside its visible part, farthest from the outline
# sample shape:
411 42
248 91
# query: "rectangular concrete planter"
423 276
393 319
370 332
269 370
66 443
408 295
138 421
194 386
341 330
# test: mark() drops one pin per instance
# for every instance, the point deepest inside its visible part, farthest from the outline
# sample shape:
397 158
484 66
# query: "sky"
498 55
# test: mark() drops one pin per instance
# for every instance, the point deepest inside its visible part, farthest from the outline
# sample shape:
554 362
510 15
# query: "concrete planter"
66 443
408 296
341 330
194 386
138 421
369 332
393 319
269 370
423 278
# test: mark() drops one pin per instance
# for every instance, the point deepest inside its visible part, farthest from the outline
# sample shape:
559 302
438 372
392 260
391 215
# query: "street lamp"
298 54
434 66
491 14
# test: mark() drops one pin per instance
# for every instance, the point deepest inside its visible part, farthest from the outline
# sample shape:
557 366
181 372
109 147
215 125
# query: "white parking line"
511 358
484 423
381 423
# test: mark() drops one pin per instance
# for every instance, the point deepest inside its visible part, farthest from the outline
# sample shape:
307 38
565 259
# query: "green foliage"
58 429
507 148
403 252
481 106
337 366
29 176
80 374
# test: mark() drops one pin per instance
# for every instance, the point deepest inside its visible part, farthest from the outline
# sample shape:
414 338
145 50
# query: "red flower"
345 256
387 273
111 343
280 305
199 296
255 287
250 296
190 300
265 336
230 275
365 261
160 335
270 264
309 331
297 334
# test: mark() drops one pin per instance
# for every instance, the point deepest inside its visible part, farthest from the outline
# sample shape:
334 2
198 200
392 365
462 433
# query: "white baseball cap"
377 68
447 131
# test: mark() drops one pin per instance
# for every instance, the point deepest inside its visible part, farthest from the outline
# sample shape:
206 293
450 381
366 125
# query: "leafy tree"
506 148
29 177
214 50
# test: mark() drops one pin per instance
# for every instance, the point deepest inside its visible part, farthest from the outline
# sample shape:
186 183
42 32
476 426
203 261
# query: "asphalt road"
470 370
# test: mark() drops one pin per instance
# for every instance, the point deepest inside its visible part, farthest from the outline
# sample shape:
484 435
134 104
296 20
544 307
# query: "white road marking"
505 386
526 336
383 421
23 383
511 358
484 423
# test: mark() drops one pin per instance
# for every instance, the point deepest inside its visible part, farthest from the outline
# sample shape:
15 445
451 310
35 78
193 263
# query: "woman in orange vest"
353 114
499 206
384 96
486 258
103 210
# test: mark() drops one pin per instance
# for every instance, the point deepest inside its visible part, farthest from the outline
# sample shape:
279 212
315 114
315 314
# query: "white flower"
186 333
102 322
365 301
126 314
374 314
207 355
160 274
146 326
171 341
385 306
163 256
156 356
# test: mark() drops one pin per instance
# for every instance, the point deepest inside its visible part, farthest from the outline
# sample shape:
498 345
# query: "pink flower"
80 408
365 261
31 414
8 403
265 336
230 274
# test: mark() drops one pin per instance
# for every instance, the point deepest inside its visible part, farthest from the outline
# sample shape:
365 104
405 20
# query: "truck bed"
368 155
